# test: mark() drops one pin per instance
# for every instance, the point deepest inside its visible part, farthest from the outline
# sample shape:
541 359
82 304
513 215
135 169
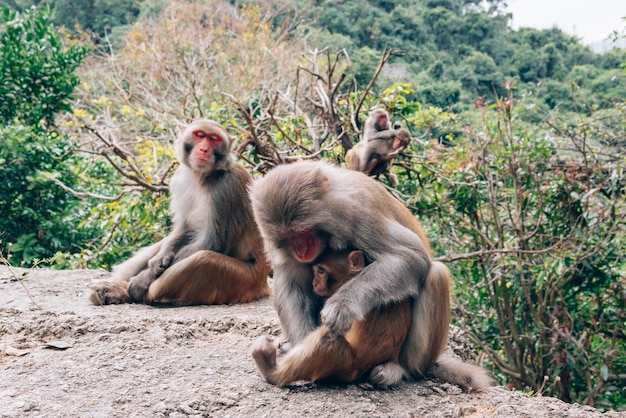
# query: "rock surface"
62 356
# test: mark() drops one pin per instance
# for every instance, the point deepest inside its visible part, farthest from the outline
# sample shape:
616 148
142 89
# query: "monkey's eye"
210 136
215 138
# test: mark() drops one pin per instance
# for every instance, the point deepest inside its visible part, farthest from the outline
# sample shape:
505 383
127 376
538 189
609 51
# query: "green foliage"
36 218
541 217
37 70
99 17
467 41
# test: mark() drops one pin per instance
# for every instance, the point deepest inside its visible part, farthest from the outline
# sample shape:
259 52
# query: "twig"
457 257
4 261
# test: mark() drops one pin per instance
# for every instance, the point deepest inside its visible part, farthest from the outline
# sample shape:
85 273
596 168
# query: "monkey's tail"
454 370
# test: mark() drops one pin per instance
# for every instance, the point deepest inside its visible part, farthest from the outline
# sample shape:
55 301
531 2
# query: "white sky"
590 20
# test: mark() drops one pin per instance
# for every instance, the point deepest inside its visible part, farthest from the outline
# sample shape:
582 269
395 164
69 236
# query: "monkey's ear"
356 261
182 127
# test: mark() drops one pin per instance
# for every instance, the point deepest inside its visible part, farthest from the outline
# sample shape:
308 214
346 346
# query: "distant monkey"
374 341
214 253
377 121
378 147
307 209
375 156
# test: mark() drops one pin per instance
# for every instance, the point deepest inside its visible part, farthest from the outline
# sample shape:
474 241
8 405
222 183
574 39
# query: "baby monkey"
371 344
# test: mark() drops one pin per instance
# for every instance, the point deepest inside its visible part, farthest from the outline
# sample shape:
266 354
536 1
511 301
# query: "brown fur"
307 209
214 253
378 147
325 354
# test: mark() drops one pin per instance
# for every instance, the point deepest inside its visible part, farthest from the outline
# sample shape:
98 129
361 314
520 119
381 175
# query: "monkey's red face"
381 121
305 245
204 144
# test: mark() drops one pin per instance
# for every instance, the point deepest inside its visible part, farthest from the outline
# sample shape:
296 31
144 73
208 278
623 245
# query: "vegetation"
517 169
37 83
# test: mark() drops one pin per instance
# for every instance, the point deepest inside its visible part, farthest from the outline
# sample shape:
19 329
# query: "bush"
537 224
37 218
37 70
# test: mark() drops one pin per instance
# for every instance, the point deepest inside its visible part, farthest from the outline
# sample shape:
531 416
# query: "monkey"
325 355
307 208
332 270
374 157
378 147
214 253
377 121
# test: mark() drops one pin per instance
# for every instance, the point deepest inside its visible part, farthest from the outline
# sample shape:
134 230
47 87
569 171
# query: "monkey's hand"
338 316
139 284
160 262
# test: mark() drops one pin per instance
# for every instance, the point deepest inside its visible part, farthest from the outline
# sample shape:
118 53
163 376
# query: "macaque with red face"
370 345
308 209
378 147
377 121
213 254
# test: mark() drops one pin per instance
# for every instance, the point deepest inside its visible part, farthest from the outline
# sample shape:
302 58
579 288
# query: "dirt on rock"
60 356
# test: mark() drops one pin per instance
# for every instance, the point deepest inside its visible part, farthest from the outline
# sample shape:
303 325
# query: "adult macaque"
309 208
213 254
377 121
374 157
324 354
378 147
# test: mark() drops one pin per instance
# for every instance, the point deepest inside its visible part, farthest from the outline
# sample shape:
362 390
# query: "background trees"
37 69
517 169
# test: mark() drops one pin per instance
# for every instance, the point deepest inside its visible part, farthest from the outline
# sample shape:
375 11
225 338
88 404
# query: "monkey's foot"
283 345
264 354
109 293
386 374
138 286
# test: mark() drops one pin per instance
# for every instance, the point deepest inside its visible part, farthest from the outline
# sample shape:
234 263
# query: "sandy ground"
60 356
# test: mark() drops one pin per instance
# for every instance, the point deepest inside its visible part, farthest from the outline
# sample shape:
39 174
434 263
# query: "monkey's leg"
377 342
393 179
136 263
321 354
264 354
138 285
387 374
108 292
207 277
430 321
429 333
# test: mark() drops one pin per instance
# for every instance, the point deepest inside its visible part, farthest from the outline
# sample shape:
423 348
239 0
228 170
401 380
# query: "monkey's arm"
401 264
169 247
139 284
295 301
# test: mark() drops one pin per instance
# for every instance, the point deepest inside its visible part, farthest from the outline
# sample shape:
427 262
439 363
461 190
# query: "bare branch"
481 253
